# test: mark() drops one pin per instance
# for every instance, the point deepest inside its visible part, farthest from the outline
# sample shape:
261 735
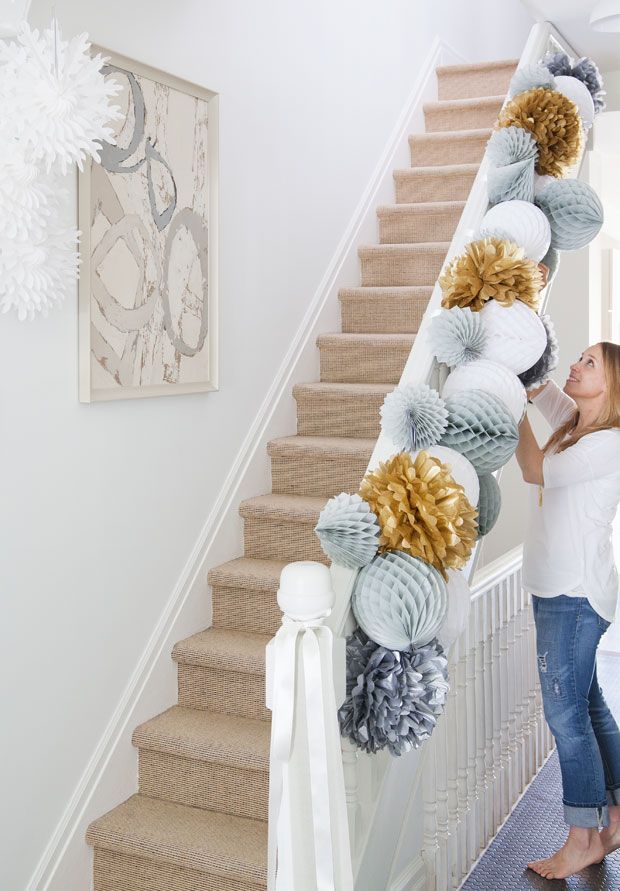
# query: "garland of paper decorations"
414 522
54 112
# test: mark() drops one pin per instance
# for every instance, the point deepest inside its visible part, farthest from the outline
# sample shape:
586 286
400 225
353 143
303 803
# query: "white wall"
102 504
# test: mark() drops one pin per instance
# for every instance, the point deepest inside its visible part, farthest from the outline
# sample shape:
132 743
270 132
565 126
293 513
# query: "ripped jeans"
568 631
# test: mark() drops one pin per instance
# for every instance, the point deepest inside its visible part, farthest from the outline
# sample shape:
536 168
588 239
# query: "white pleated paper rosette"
399 601
575 90
515 335
521 222
462 470
492 377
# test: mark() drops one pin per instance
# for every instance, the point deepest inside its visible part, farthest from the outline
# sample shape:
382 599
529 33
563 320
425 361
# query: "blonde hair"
610 415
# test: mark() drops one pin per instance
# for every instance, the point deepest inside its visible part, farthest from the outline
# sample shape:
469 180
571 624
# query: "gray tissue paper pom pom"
457 336
587 72
540 373
414 417
529 77
393 697
348 531
558 63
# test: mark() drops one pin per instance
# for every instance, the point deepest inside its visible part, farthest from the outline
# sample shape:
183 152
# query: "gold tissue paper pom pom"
554 122
422 510
490 269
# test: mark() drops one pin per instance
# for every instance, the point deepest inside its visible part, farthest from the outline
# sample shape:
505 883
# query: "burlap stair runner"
198 820
448 147
426 221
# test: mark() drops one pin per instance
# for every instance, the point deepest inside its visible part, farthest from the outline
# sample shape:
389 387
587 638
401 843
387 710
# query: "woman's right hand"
536 390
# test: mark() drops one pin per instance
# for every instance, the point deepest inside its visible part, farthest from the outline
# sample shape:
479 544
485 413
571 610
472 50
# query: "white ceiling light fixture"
606 16
12 14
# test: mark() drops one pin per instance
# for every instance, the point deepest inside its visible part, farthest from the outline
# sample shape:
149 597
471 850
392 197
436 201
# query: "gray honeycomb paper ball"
399 601
489 504
348 531
574 211
481 428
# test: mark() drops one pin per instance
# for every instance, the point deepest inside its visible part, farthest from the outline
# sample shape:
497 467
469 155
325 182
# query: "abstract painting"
148 217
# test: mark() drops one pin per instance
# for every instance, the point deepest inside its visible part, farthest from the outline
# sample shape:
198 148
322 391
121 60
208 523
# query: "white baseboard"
111 774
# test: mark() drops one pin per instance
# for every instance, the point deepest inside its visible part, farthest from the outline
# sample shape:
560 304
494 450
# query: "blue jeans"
568 631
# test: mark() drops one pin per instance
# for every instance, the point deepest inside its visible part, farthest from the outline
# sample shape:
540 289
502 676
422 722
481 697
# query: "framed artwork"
148 215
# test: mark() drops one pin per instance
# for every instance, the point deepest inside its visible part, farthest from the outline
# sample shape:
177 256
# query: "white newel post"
309 846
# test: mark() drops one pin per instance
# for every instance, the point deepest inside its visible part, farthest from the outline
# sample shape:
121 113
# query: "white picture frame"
108 325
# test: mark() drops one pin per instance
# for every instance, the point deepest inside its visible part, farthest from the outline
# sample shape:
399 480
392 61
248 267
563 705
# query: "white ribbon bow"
324 755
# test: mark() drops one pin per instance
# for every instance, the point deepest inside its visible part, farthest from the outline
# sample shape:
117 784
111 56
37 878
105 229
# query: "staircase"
198 822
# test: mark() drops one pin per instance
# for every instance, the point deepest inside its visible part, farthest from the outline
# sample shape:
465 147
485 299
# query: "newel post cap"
305 591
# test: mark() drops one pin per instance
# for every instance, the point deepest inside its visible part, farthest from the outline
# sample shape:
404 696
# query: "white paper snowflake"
55 97
38 259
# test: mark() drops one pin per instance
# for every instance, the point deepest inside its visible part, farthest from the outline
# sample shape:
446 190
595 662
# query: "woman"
569 568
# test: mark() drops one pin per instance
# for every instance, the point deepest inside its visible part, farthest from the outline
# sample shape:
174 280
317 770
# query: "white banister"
486 747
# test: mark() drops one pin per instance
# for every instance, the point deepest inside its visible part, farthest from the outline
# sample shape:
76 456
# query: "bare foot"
610 837
578 851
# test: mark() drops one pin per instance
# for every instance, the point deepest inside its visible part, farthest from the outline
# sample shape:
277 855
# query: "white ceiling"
571 18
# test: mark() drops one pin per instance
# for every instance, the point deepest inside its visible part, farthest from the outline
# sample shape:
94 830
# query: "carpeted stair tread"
323 388
402 264
445 147
419 223
383 310
241 651
478 79
234 848
260 575
207 736
447 182
320 446
362 339
463 114
289 508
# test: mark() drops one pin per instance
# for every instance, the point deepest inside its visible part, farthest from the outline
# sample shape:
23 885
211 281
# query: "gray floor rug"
536 828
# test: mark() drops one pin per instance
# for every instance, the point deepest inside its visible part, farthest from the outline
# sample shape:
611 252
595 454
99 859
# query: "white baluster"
430 852
505 764
472 705
463 737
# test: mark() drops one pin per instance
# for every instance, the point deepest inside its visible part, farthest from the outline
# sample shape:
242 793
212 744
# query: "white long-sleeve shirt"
568 544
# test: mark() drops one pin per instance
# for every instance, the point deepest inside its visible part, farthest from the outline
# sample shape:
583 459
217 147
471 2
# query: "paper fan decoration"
459 467
539 373
457 336
413 416
422 510
490 269
529 77
511 144
520 222
348 531
459 606
514 182
554 122
578 93
516 337
56 97
492 378
574 211
482 429
512 153
399 601
490 503
584 70
393 698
